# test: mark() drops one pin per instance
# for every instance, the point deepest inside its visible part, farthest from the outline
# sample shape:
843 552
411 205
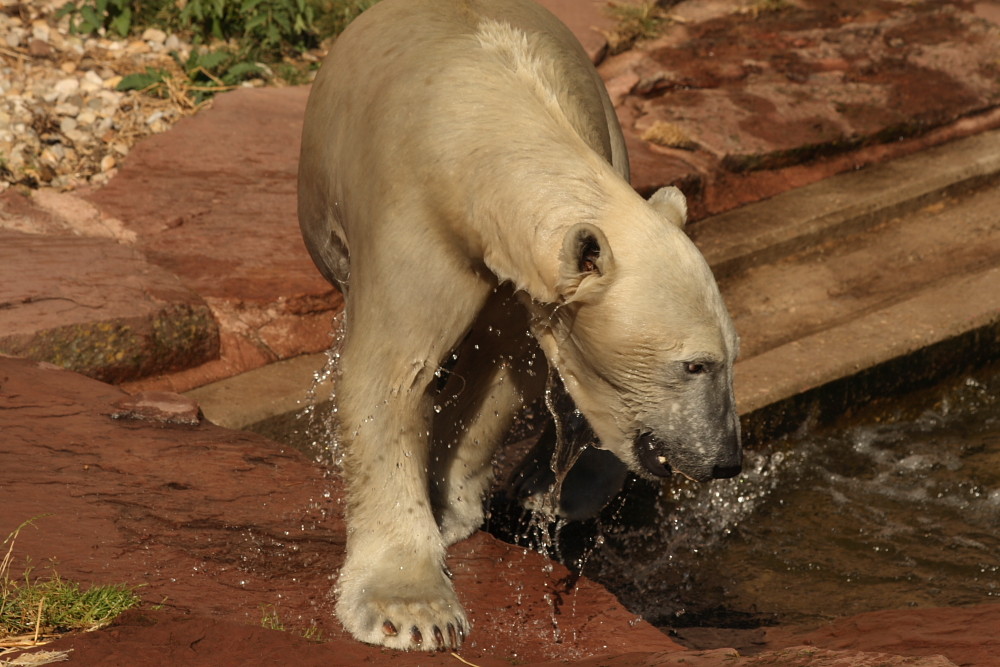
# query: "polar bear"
464 181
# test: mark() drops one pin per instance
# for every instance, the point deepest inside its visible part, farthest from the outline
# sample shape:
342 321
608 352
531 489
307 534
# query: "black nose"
725 472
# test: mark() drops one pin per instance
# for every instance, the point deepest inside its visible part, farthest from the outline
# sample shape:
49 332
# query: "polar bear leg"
393 588
494 377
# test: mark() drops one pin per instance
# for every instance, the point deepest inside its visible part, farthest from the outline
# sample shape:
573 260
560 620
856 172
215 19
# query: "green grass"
272 621
33 608
237 40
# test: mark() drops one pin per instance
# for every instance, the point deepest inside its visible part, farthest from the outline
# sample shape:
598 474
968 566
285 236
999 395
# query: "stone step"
97 307
853 284
769 230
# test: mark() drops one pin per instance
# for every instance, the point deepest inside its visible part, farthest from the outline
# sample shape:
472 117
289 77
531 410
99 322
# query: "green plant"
270 620
89 16
258 26
36 607
151 81
206 72
256 34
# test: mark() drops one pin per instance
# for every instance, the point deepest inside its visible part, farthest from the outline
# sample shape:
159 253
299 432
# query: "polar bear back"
407 79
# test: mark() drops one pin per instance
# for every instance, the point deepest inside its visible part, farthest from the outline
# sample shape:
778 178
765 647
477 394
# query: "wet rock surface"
222 529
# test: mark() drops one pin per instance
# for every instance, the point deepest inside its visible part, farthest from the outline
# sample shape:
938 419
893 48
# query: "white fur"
453 153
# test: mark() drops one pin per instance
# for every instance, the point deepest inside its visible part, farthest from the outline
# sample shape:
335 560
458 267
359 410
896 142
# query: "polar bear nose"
727 471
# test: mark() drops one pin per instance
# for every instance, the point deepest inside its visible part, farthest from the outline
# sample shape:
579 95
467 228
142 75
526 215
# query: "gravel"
63 124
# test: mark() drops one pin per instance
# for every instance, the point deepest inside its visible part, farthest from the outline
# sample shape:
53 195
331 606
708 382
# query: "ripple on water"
876 515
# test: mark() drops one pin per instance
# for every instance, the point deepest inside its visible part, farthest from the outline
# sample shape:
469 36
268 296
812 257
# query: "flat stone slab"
213 202
98 307
722 95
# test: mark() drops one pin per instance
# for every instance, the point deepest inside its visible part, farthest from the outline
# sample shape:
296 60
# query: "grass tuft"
35 609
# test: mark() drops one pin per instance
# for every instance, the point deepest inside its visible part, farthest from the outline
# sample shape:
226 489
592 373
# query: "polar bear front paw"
402 614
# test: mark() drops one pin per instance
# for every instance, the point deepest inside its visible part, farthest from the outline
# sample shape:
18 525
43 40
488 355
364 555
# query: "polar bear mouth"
652 455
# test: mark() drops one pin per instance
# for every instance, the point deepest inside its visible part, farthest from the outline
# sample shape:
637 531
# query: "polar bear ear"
585 257
670 203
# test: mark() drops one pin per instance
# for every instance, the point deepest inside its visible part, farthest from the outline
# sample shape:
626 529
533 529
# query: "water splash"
319 411
880 514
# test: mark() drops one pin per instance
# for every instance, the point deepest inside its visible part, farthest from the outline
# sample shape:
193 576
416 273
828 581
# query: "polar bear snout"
660 457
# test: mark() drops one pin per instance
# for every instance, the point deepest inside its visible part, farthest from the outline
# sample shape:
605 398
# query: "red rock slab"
213 202
589 21
965 635
225 527
98 307
740 94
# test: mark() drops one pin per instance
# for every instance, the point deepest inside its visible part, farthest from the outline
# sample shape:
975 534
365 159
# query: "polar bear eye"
695 367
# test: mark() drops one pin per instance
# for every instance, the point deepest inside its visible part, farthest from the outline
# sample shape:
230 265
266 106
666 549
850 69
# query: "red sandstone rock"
757 105
213 201
96 306
158 406
784 98
965 635
221 527
588 19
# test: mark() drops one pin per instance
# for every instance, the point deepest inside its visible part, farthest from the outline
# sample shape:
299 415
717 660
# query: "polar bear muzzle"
721 460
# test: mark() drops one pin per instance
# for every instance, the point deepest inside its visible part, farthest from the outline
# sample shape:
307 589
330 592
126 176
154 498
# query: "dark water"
896 510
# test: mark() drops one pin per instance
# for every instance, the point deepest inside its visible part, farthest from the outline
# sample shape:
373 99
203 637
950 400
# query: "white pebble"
40 30
154 36
67 109
14 37
66 87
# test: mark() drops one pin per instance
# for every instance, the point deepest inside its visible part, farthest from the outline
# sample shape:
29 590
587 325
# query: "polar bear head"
643 341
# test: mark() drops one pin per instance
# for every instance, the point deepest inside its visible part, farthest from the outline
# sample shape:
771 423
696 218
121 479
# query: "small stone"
172 43
94 78
40 30
68 67
14 37
67 109
154 36
38 48
86 118
67 125
137 47
108 163
78 137
112 82
53 155
66 87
